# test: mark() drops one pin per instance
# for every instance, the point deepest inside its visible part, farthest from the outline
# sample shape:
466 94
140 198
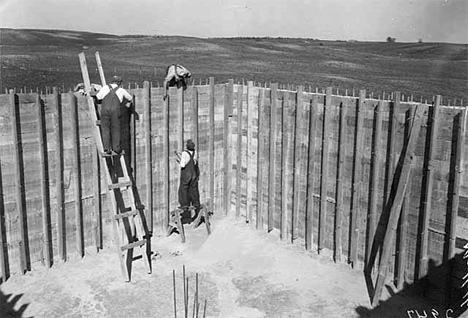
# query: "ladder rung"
120 184
132 245
98 122
126 214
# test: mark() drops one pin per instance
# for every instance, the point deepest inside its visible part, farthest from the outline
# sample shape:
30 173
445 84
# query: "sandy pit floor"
241 273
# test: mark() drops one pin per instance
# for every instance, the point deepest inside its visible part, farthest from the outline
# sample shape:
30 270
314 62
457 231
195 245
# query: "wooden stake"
46 227
101 70
375 177
297 163
324 174
394 209
239 149
272 156
180 117
148 156
339 183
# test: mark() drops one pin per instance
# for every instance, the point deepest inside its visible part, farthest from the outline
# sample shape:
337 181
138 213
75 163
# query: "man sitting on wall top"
176 75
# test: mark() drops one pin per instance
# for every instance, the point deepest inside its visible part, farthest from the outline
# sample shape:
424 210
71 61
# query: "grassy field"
40 58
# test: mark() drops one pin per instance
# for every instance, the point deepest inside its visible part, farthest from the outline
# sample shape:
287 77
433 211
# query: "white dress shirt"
185 158
120 92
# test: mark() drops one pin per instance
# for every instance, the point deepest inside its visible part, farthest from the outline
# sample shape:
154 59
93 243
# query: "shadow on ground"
7 305
440 293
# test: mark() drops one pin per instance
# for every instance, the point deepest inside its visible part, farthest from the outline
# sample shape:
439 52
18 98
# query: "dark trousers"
188 192
110 128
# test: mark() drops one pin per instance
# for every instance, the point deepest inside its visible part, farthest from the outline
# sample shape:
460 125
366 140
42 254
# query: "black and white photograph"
234 159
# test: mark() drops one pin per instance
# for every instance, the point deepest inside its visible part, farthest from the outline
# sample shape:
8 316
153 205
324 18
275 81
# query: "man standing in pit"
189 175
176 75
112 97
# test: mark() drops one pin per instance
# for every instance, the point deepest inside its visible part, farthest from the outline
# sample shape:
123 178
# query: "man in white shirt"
176 75
189 174
112 98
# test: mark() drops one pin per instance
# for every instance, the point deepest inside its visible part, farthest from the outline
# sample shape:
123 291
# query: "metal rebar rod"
186 301
204 310
173 284
185 291
196 293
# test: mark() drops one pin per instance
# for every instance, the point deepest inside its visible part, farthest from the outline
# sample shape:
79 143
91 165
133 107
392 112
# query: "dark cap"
117 79
190 145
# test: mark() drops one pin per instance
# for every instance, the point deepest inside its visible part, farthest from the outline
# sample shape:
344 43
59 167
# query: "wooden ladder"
129 230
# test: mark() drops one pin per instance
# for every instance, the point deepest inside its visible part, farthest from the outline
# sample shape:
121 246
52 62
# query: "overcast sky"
373 20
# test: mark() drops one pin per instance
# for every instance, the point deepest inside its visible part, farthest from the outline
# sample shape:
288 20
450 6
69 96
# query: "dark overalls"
188 189
110 120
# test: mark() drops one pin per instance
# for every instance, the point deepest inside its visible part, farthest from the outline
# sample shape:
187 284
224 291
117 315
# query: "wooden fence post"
148 157
77 172
427 188
229 99
375 164
46 227
324 174
356 191
310 172
297 163
59 184
395 208
20 200
272 167
339 183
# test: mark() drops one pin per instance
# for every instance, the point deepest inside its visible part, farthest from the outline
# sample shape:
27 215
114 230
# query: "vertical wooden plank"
228 105
101 70
356 190
239 150
211 141
4 260
375 164
284 168
260 158
324 174
427 194
166 173
77 174
42 139
272 170
460 157
298 131
250 171
403 226
59 184
339 183
194 104
20 200
148 157
391 143
394 210
97 197
228 102
310 172
180 116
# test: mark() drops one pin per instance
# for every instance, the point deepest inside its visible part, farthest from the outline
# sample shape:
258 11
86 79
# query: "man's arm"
127 97
184 159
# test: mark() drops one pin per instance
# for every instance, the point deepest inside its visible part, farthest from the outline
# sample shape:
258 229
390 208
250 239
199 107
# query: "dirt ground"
241 272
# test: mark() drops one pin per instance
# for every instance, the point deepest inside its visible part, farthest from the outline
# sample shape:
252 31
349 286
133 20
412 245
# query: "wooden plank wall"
342 176
341 180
